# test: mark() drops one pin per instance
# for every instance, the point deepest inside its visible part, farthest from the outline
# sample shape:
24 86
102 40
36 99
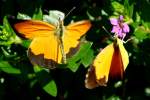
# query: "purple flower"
119 27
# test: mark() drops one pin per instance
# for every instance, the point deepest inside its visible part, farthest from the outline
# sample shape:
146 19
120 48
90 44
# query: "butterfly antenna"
107 32
70 11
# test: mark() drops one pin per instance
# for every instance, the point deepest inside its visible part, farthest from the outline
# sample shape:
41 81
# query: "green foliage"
45 81
84 52
51 88
6 67
8 36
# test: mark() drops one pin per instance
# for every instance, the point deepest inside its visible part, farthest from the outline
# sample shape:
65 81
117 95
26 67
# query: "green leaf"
128 9
7 54
73 66
146 26
141 33
23 16
88 58
114 97
118 8
81 52
6 31
51 88
9 34
37 69
45 80
26 43
6 67
74 61
38 15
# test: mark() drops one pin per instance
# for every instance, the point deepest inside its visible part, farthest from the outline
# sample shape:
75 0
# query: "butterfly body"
59 34
51 43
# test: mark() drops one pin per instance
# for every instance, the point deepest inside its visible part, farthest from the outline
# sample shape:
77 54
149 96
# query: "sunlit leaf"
118 8
88 58
141 33
7 54
6 67
38 14
26 43
9 34
128 9
73 66
45 80
74 62
51 88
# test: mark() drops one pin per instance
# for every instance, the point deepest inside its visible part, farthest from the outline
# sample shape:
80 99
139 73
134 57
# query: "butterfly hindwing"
90 81
45 51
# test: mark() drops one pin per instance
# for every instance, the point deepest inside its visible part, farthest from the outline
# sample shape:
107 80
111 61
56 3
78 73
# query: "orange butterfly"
51 44
109 63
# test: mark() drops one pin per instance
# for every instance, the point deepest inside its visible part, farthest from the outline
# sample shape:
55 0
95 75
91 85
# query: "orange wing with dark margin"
109 63
73 33
44 49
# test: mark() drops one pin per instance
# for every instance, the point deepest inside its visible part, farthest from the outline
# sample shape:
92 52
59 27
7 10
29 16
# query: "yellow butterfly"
111 62
51 43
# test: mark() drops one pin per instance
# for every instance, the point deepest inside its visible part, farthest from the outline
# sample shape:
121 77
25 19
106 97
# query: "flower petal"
125 28
120 33
115 29
113 21
121 18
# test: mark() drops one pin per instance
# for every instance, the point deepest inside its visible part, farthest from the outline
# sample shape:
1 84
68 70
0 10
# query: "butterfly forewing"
124 54
73 33
33 28
102 64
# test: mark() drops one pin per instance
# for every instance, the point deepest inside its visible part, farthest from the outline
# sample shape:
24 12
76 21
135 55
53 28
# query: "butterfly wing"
120 61
34 28
109 63
98 73
116 67
124 54
72 34
90 81
102 64
44 49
